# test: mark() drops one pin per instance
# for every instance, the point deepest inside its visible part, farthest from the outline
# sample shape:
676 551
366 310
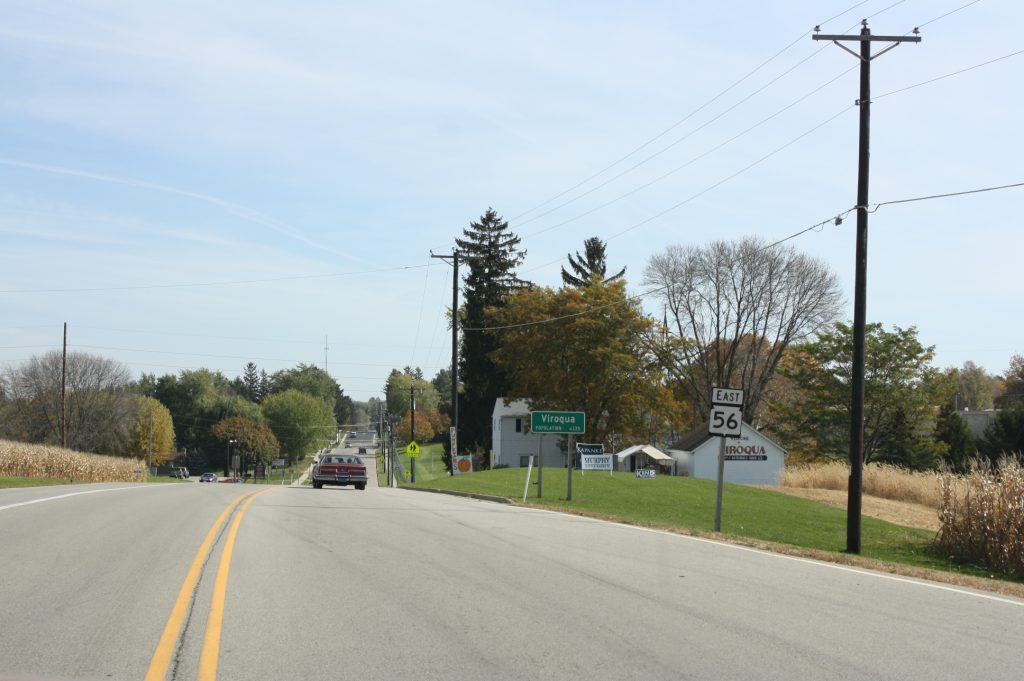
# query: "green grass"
6 482
429 464
689 503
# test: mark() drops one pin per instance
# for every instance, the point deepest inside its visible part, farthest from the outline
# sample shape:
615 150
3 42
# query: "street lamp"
227 464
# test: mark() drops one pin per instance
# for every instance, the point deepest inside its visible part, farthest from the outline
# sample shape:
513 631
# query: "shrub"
982 516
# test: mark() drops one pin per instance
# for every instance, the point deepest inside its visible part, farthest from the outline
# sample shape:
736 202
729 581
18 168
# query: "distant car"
208 477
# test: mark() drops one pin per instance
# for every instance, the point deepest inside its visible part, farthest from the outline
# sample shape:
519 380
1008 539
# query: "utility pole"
455 347
151 439
412 430
853 505
326 348
64 392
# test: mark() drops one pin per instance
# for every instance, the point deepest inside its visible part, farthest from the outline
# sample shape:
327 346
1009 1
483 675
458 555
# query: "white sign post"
726 420
526 486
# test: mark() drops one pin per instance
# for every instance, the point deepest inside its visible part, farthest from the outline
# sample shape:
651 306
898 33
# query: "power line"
691 161
876 206
685 137
949 75
943 16
215 356
686 117
836 220
145 287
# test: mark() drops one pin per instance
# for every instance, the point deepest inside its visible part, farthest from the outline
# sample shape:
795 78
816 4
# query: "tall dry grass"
20 459
880 480
982 516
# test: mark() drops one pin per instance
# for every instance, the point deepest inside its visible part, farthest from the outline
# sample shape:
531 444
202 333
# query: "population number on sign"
726 421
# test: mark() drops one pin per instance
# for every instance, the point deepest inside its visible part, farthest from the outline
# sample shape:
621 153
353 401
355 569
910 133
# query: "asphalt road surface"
392 584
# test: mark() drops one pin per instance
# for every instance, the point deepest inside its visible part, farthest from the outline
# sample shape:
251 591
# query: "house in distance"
750 459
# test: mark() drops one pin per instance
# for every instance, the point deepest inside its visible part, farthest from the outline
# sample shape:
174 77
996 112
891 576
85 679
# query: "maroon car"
339 469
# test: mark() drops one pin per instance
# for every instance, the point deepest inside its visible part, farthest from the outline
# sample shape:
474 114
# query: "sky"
196 184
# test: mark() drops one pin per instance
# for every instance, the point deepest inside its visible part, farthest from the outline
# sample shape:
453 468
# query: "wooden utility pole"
455 347
64 392
853 507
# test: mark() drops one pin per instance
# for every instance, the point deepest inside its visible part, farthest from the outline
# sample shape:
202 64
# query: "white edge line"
808 561
73 494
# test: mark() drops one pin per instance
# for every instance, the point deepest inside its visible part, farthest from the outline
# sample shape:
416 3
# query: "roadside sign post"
540 466
726 420
526 485
413 451
562 423
570 459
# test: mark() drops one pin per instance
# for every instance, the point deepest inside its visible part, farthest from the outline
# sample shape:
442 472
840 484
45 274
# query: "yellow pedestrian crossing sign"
412 449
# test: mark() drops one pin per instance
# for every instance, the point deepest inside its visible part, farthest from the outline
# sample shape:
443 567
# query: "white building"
511 443
750 459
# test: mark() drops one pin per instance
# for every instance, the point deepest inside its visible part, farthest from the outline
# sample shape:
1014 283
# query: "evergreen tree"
251 383
264 384
591 267
492 255
951 429
1005 435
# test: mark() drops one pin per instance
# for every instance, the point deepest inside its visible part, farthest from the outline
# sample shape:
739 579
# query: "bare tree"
732 309
99 409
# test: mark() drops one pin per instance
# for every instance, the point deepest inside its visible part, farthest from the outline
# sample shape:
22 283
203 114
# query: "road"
395 584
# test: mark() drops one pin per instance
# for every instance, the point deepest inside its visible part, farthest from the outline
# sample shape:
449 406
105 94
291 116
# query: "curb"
454 493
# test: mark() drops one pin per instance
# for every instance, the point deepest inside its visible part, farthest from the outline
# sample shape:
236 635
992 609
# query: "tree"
591 267
151 424
428 424
251 383
313 380
1005 435
197 399
442 383
254 442
397 392
99 405
492 255
732 309
1013 383
899 396
302 423
952 430
975 387
593 359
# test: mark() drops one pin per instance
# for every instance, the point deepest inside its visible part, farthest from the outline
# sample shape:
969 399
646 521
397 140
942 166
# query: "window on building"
524 460
519 425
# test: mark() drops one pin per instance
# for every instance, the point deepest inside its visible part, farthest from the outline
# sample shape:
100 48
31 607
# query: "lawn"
689 504
429 464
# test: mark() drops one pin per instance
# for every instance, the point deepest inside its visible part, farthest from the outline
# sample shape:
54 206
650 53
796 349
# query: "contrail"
240 211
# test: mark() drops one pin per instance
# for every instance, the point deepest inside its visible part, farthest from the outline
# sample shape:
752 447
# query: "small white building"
512 444
644 456
750 459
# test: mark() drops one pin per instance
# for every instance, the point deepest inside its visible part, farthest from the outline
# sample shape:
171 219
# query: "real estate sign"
560 422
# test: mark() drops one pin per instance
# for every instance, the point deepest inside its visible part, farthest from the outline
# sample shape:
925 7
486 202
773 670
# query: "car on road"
339 469
208 477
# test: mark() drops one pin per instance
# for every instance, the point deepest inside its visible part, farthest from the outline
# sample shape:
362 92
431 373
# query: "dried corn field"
19 459
982 516
880 480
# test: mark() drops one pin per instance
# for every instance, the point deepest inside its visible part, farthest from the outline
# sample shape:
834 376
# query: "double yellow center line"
211 642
